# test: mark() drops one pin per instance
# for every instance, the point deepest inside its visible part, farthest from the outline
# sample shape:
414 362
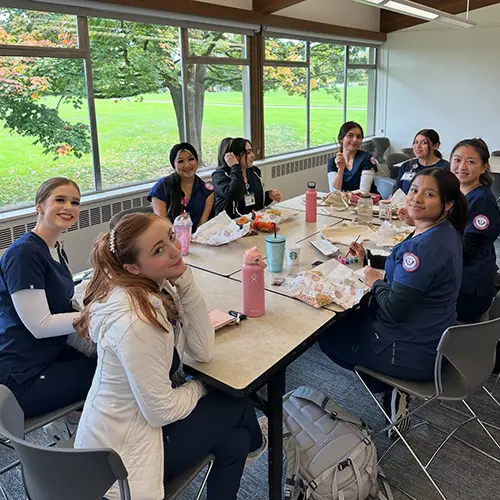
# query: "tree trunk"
196 102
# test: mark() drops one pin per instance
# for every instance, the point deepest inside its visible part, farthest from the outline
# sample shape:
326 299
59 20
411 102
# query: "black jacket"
230 191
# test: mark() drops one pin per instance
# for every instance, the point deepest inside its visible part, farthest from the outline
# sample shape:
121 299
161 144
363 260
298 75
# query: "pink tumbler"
311 202
182 227
252 283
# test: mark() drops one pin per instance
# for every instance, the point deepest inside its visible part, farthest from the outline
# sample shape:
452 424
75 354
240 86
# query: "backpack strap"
292 465
326 403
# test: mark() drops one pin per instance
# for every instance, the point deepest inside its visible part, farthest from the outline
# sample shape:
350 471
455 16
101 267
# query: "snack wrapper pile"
337 200
276 215
220 230
389 235
398 199
341 286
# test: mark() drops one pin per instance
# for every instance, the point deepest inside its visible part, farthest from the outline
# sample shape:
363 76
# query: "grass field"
135 137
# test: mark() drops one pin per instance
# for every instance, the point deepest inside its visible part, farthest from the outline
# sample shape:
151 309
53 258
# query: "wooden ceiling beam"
392 21
271 6
221 12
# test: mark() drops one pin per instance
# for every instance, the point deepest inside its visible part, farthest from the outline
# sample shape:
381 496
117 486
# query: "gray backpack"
330 454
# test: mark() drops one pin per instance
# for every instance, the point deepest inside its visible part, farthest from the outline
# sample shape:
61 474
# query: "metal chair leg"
401 437
481 424
205 479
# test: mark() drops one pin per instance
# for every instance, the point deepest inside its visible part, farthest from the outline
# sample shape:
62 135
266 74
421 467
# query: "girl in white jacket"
143 309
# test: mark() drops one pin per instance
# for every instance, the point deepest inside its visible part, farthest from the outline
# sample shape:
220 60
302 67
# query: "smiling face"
467 165
352 140
186 164
422 146
159 253
61 208
424 200
247 158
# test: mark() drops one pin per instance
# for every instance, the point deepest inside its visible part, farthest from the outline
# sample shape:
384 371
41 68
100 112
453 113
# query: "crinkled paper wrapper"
337 200
389 235
220 230
277 215
341 287
398 199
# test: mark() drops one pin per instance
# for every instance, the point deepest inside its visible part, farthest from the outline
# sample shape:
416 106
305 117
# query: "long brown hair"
109 273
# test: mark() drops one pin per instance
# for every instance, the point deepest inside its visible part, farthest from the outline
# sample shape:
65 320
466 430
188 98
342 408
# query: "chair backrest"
494 311
496 185
381 145
495 153
471 349
408 151
58 473
394 158
385 186
144 210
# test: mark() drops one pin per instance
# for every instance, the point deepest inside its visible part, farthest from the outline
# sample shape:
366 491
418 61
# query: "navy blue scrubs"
431 263
478 282
352 178
44 374
409 169
196 204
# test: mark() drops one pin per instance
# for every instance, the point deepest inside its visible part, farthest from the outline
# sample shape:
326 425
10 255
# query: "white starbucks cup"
292 252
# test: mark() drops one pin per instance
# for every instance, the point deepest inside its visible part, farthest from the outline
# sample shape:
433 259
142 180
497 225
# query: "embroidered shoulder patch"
209 186
410 262
372 160
481 222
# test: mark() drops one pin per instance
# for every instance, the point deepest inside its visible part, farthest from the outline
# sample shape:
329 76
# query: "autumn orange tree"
24 81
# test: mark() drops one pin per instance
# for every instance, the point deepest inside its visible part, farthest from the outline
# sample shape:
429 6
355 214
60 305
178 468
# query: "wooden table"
227 259
256 352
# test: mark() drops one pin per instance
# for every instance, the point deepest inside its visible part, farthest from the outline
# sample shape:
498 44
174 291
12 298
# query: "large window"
102 101
311 88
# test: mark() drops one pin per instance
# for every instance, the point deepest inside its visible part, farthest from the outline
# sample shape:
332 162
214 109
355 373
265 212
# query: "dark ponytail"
449 191
174 194
482 150
433 137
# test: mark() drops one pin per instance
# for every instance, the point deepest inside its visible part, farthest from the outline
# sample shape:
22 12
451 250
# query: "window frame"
372 92
253 64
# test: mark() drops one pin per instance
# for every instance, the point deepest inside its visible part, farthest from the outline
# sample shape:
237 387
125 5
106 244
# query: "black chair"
144 210
381 146
394 158
495 153
408 151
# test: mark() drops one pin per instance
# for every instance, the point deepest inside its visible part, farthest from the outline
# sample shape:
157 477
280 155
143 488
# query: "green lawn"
135 137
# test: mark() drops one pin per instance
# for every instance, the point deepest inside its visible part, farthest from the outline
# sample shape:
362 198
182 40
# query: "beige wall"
447 79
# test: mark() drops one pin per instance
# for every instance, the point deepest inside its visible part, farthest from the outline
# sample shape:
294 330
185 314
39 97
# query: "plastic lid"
311 184
252 256
364 194
384 202
183 220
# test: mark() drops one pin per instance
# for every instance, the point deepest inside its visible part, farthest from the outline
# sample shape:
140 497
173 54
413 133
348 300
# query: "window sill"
205 174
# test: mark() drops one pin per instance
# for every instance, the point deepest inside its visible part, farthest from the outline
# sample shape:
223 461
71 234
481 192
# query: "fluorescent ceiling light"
414 9
409 10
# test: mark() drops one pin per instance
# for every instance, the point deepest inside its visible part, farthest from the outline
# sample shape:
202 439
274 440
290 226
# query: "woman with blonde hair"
144 311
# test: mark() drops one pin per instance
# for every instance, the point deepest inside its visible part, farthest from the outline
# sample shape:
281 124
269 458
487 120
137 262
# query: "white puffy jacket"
131 397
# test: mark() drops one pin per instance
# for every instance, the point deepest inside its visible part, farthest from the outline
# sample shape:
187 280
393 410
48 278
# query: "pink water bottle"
311 202
252 283
182 227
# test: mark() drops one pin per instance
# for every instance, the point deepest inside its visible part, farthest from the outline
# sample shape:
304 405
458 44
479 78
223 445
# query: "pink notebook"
220 319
